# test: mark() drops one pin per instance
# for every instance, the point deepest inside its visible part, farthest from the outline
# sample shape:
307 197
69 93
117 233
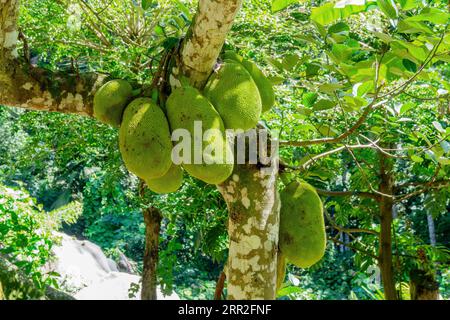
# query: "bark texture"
206 37
152 220
386 206
253 205
26 86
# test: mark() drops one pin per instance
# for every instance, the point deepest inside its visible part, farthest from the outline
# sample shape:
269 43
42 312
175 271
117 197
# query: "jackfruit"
264 85
302 238
144 139
110 101
281 270
185 106
235 96
170 182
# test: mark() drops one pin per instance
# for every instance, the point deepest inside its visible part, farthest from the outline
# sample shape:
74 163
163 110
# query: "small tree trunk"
254 206
431 229
152 220
423 286
386 209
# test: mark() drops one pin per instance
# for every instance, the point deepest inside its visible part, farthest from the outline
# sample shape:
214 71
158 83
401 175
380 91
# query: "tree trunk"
254 206
386 209
152 220
423 286
431 229
251 192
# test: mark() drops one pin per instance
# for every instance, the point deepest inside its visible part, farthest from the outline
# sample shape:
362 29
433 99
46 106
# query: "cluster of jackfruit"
233 98
302 238
144 135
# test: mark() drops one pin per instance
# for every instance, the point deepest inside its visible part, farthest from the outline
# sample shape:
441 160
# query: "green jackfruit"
302 238
185 106
110 101
144 139
170 182
264 85
281 270
235 96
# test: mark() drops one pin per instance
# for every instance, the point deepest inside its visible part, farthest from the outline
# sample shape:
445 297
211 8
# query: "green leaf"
278 5
409 65
330 13
339 27
324 104
309 99
327 131
432 15
406 107
438 127
146 4
389 8
312 69
383 37
290 61
330 88
413 27
409 4
183 8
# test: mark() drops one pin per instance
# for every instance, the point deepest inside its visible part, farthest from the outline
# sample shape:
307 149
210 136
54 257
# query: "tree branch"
205 38
367 110
362 194
29 87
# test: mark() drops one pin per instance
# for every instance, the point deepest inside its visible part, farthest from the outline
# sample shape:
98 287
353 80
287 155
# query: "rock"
88 274
116 286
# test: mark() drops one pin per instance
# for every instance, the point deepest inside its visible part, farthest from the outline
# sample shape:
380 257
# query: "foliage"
26 240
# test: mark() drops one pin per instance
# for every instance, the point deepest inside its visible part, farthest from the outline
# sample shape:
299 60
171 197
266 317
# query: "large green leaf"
331 12
430 15
389 8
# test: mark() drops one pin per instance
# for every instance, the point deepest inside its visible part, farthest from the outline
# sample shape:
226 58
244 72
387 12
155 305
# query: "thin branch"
362 194
367 110
354 248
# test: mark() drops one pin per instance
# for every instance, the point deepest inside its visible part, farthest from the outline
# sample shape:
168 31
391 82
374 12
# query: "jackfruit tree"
360 86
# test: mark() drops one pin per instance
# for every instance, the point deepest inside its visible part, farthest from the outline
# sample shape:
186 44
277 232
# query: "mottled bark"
385 249
26 86
205 38
253 205
9 11
152 220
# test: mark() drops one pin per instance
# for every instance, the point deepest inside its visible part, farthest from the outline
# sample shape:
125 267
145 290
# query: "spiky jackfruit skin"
144 139
302 238
170 182
185 106
235 96
264 85
110 101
